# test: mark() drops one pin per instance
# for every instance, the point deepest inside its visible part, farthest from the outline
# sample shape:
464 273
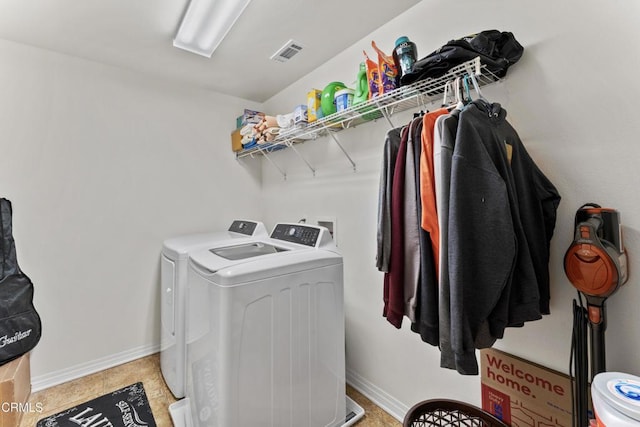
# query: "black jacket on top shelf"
497 50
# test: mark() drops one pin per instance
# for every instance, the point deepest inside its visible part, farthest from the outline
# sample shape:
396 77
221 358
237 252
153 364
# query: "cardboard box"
522 393
15 388
236 140
300 116
249 117
314 111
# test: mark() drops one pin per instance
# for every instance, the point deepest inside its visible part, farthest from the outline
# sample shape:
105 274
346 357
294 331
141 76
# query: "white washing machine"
266 330
173 283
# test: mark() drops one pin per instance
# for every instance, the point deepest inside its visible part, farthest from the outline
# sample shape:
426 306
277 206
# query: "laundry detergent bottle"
362 86
404 55
361 94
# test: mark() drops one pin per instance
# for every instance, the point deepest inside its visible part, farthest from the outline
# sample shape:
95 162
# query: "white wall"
572 98
101 166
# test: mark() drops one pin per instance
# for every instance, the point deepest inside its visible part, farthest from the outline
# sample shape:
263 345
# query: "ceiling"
138 35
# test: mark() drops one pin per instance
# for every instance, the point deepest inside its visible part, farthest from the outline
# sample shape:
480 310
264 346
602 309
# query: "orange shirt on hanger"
429 220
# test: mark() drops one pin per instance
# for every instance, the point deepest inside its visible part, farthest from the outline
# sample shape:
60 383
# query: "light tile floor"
147 370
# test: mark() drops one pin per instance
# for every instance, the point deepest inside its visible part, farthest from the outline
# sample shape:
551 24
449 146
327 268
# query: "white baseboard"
51 379
388 403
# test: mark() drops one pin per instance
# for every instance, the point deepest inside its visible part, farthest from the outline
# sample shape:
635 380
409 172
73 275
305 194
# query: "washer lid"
178 247
225 254
256 260
247 250
278 266
620 391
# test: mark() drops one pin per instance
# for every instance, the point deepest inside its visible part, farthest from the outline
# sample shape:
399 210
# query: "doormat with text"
127 407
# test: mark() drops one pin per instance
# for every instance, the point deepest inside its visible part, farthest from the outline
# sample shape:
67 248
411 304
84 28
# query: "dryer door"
248 250
167 295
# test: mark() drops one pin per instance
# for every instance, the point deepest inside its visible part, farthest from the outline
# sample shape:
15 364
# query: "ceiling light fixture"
206 23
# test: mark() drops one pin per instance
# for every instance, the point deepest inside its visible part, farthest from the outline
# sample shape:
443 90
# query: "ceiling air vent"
286 52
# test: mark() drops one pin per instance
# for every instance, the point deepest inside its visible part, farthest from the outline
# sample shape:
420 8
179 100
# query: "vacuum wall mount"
596 265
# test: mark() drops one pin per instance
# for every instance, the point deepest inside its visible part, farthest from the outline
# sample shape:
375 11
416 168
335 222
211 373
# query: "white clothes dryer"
173 283
266 334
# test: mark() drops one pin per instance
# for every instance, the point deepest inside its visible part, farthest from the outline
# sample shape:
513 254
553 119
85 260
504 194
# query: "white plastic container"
343 99
616 399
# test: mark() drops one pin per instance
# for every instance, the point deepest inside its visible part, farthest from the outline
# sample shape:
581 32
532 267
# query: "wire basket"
449 413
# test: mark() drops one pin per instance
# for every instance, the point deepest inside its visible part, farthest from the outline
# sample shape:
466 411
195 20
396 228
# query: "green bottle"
362 95
362 86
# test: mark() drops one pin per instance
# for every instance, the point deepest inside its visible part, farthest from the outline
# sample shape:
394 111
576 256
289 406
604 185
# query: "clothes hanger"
444 96
459 101
423 111
476 86
467 92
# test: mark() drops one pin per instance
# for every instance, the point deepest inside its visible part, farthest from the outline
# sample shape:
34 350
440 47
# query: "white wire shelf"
413 96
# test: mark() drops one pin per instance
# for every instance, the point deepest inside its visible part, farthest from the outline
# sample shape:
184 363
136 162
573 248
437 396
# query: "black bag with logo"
20 326
497 50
